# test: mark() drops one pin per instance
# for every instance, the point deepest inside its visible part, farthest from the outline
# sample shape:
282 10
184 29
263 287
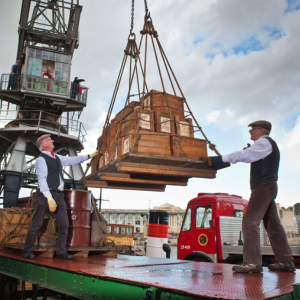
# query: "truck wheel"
238 259
198 257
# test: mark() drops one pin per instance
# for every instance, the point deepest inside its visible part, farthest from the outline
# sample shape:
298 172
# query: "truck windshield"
203 217
187 221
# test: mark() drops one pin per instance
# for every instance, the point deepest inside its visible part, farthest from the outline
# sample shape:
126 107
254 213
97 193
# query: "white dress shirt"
260 149
42 169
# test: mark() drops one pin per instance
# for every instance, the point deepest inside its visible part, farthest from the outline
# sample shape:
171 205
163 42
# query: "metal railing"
11 82
42 119
78 92
16 82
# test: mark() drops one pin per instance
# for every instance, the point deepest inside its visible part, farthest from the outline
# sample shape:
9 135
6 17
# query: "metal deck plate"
195 278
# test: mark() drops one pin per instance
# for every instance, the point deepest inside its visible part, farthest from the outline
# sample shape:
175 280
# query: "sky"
237 61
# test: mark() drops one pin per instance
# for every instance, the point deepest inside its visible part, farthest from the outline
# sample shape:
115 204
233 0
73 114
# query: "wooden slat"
146 181
124 186
166 170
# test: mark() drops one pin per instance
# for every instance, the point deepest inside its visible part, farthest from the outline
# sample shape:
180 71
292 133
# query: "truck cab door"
204 231
184 241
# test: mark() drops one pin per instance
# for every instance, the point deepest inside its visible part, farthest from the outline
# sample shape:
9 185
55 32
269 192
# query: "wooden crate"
95 163
147 143
190 147
128 109
14 226
163 122
156 101
146 121
184 127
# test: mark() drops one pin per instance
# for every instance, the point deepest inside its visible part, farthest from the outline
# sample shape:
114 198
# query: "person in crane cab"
50 195
13 76
49 76
264 156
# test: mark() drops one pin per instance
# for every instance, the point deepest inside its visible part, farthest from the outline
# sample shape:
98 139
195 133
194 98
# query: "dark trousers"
262 207
61 217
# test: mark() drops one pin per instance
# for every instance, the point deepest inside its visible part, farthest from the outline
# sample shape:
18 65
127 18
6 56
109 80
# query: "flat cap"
261 123
40 139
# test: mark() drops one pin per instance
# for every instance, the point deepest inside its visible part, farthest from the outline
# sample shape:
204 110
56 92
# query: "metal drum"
157 233
79 215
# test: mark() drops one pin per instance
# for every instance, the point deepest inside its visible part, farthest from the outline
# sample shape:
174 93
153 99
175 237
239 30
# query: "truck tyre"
238 259
197 257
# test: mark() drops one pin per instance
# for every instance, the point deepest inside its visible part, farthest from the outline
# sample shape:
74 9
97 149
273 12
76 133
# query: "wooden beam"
144 181
165 170
124 186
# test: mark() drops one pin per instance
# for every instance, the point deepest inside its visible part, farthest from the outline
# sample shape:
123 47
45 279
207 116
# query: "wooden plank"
166 170
124 186
143 176
146 181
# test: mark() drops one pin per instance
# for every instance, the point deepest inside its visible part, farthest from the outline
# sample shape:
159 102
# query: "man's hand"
213 161
51 203
95 154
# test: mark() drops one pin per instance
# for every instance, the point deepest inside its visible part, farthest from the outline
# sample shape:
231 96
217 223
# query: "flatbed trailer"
133 277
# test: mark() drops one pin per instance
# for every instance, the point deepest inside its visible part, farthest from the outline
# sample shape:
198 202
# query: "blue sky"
237 61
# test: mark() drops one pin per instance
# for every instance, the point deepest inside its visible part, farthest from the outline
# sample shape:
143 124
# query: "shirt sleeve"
259 150
72 160
42 173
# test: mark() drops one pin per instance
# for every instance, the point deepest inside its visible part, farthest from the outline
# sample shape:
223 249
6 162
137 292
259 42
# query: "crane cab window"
238 213
203 216
187 221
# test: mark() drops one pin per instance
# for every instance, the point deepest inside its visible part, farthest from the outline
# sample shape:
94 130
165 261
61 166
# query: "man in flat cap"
264 157
49 195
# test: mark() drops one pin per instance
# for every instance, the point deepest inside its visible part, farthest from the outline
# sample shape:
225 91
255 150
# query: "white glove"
51 203
95 154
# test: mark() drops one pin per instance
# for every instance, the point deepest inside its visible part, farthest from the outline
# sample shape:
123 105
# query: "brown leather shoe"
65 255
288 267
247 268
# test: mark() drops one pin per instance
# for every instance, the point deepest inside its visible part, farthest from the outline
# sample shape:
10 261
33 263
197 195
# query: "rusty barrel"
79 215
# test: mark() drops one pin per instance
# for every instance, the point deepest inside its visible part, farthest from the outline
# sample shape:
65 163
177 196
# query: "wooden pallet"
152 172
49 252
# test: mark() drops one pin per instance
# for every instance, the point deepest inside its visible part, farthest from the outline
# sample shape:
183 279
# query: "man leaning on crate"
50 195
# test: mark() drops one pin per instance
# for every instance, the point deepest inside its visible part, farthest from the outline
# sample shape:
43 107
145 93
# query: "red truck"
211 231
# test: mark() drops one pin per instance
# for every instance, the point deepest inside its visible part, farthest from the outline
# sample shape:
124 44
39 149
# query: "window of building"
106 215
129 222
138 222
187 221
238 213
122 216
122 230
115 216
203 216
129 231
137 216
116 230
122 222
108 229
137 229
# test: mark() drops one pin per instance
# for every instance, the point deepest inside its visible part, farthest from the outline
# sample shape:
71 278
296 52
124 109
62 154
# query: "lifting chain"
132 18
147 13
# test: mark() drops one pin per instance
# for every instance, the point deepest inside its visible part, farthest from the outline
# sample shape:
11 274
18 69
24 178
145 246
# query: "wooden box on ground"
188 147
144 118
14 226
163 122
158 101
184 127
146 143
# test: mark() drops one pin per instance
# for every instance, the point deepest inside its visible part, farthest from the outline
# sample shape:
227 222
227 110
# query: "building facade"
139 218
